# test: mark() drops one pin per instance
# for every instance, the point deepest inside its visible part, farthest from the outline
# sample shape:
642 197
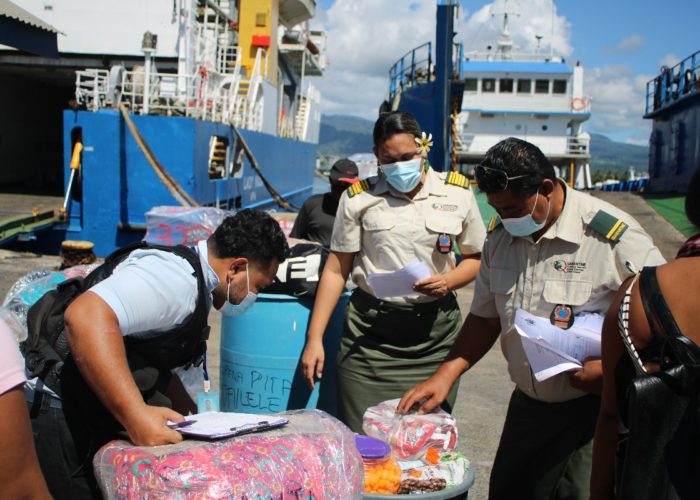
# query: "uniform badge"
562 316
444 243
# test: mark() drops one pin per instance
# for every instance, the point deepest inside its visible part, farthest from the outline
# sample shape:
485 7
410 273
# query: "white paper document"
551 350
398 283
215 425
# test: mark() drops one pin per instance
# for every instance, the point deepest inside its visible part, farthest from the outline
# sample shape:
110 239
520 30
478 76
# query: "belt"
448 301
40 398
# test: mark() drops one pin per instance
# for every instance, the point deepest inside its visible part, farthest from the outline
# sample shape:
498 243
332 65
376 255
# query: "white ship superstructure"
535 97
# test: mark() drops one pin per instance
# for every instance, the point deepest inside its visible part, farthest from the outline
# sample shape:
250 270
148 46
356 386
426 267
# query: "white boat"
494 94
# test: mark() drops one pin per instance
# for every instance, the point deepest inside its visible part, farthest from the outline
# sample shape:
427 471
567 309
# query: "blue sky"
620 43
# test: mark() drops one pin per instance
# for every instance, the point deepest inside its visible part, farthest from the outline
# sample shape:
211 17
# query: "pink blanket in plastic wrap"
313 456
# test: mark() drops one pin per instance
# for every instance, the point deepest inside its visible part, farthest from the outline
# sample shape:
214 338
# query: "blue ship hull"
117 185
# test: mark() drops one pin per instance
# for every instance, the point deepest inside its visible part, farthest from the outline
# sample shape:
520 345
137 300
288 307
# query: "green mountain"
610 156
343 135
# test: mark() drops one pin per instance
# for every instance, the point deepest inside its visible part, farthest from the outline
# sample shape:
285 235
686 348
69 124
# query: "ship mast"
505 41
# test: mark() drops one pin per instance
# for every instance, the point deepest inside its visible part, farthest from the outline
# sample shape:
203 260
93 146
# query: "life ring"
578 103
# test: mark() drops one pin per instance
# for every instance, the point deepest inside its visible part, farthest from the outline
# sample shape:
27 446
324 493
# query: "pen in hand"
180 425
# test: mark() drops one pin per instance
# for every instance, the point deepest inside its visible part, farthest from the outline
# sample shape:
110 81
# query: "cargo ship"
188 103
673 103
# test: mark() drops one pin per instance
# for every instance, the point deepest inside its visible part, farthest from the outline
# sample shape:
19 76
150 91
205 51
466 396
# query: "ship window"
559 87
470 84
505 85
524 86
541 86
488 85
218 147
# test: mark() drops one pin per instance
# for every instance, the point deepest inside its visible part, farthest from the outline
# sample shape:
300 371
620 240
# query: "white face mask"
525 225
231 309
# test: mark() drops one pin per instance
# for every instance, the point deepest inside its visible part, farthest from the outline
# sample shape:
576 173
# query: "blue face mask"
231 309
525 225
403 175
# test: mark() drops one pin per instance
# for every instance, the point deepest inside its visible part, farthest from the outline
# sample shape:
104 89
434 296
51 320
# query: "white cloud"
631 43
365 37
626 45
670 60
532 18
618 96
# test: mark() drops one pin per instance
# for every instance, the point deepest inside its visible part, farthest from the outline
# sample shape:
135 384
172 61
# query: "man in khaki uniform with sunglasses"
555 253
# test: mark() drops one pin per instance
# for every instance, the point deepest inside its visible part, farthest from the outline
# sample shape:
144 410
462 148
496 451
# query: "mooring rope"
168 181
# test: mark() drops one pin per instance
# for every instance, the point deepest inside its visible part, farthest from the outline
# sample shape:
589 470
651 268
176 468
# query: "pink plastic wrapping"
313 456
410 435
181 225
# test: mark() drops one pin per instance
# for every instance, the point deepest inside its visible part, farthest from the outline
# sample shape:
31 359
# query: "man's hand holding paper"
551 350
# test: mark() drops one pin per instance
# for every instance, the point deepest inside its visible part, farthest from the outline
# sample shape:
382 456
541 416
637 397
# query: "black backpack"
46 348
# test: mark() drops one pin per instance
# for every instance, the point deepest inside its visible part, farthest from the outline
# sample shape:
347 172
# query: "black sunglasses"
492 179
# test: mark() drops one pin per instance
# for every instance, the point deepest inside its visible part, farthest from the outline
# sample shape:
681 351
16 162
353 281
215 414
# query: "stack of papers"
398 283
216 425
551 350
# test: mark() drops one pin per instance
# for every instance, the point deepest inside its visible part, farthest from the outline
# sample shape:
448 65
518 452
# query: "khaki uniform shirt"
387 230
570 264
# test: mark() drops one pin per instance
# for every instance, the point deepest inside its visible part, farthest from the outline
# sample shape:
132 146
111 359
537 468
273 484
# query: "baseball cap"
344 171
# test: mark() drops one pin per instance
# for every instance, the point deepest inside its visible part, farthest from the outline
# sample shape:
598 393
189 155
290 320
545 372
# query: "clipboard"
220 425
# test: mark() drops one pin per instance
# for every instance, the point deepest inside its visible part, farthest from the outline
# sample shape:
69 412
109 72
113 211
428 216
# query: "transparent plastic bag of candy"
182 225
412 434
313 456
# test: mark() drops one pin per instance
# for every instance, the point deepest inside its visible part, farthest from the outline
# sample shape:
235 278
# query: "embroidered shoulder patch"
457 179
609 226
358 187
494 222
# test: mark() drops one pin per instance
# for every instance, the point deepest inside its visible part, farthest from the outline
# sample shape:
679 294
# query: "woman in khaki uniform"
408 212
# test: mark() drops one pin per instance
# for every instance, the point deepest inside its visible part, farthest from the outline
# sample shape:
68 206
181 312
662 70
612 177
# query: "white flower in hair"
424 143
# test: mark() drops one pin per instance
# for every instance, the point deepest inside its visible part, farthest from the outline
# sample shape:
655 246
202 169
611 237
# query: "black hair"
392 123
252 234
517 157
692 199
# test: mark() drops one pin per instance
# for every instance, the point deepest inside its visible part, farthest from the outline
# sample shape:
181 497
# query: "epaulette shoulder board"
457 179
358 187
494 222
609 226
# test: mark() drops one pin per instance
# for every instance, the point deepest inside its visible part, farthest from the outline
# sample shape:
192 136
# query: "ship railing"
492 55
91 88
250 106
674 83
414 68
202 96
464 141
578 146
227 60
575 146
301 124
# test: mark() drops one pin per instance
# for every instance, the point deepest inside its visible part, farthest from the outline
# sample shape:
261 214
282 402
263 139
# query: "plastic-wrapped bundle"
314 456
410 435
181 225
32 286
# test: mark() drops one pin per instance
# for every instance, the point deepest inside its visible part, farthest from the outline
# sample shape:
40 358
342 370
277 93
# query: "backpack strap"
661 321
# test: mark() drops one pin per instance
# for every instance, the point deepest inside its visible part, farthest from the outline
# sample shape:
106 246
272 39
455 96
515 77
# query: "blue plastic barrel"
260 353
